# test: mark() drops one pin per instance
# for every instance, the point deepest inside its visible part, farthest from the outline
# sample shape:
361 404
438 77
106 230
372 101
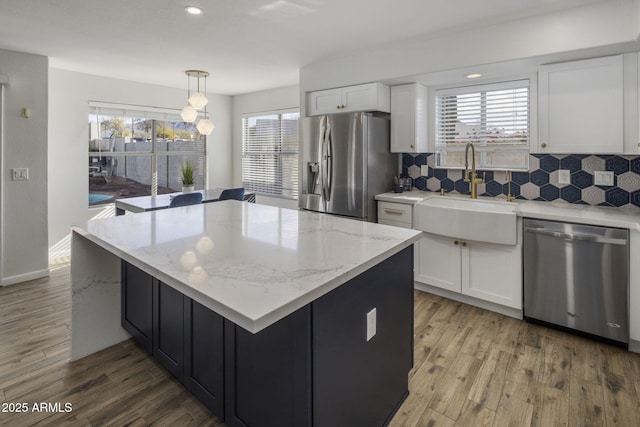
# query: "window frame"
482 150
288 194
155 115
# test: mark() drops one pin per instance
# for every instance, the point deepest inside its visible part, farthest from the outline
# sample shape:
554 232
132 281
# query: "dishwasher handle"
576 236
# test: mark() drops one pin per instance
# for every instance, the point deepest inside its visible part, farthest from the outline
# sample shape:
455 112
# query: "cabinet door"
204 355
409 119
325 102
581 106
439 262
359 382
137 305
493 273
367 97
168 328
268 374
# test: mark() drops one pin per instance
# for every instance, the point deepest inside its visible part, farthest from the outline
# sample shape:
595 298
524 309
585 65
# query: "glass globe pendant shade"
198 100
205 127
189 114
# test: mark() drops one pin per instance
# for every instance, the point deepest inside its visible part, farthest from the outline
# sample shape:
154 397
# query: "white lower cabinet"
439 263
486 271
398 214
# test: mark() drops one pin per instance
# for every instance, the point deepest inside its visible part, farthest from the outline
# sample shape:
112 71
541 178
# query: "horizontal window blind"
270 153
494 117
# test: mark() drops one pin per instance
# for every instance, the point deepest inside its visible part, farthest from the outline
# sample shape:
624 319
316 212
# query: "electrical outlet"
424 170
19 174
371 324
604 178
564 176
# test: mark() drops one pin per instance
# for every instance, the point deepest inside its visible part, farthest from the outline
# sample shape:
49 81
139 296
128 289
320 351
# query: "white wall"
256 102
69 93
23 206
593 30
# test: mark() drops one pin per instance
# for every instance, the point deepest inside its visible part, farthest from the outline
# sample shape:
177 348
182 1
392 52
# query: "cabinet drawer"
395 212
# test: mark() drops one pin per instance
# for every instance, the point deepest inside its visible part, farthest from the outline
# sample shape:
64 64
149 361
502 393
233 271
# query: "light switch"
371 324
424 170
604 178
19 174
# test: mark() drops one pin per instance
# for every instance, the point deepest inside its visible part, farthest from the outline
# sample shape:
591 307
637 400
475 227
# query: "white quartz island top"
251 263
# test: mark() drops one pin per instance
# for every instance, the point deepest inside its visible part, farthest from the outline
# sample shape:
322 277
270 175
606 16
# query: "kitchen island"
272 316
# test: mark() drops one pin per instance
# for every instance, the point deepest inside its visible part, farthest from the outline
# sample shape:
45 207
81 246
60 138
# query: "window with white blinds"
494 117
270 153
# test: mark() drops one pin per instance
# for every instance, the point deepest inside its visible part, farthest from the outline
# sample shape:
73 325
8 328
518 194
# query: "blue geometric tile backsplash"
541 182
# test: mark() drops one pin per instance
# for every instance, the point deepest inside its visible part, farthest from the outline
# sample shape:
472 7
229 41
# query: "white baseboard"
507 311
24 277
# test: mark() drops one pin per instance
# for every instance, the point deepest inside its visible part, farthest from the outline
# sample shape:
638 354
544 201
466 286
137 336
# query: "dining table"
162 201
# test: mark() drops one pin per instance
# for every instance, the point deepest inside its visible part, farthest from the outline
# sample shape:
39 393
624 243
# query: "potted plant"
188 174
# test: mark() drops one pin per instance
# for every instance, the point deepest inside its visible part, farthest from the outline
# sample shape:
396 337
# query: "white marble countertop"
251 263
407 197
558 211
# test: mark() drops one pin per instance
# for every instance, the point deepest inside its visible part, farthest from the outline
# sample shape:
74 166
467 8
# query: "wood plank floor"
471 368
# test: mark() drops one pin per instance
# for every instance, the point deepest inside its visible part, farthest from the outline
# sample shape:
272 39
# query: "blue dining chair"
232 194
186 200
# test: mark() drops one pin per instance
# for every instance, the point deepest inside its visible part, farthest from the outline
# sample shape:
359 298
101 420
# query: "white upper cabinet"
366 97
409 118
581 107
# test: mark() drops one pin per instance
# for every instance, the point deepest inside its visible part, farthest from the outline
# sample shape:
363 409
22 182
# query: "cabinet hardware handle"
338 107
411 146
342 106
543 145
393 211
464 244
638 144
455 242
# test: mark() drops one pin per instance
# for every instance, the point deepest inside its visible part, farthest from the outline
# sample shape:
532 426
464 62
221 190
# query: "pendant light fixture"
197 101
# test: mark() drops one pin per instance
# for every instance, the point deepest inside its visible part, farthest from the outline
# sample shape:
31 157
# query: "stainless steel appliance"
344 161
577 276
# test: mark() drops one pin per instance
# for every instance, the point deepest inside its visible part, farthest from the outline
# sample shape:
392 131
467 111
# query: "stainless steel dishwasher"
577 277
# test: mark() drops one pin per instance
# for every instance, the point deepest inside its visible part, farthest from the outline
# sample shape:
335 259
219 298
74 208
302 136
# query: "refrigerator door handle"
326 160
323 162
329 163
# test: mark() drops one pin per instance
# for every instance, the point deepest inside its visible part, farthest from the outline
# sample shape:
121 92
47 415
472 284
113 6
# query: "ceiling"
246 45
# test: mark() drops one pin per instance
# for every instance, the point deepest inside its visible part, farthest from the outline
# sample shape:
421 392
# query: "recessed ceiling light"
473 75
193 10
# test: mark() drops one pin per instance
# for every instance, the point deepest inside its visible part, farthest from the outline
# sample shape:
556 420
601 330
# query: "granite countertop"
559 211
251 263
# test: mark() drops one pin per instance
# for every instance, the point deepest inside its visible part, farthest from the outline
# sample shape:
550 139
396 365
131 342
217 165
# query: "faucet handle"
466 175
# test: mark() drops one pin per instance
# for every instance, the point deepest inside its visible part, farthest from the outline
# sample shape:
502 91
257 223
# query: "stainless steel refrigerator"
344 162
